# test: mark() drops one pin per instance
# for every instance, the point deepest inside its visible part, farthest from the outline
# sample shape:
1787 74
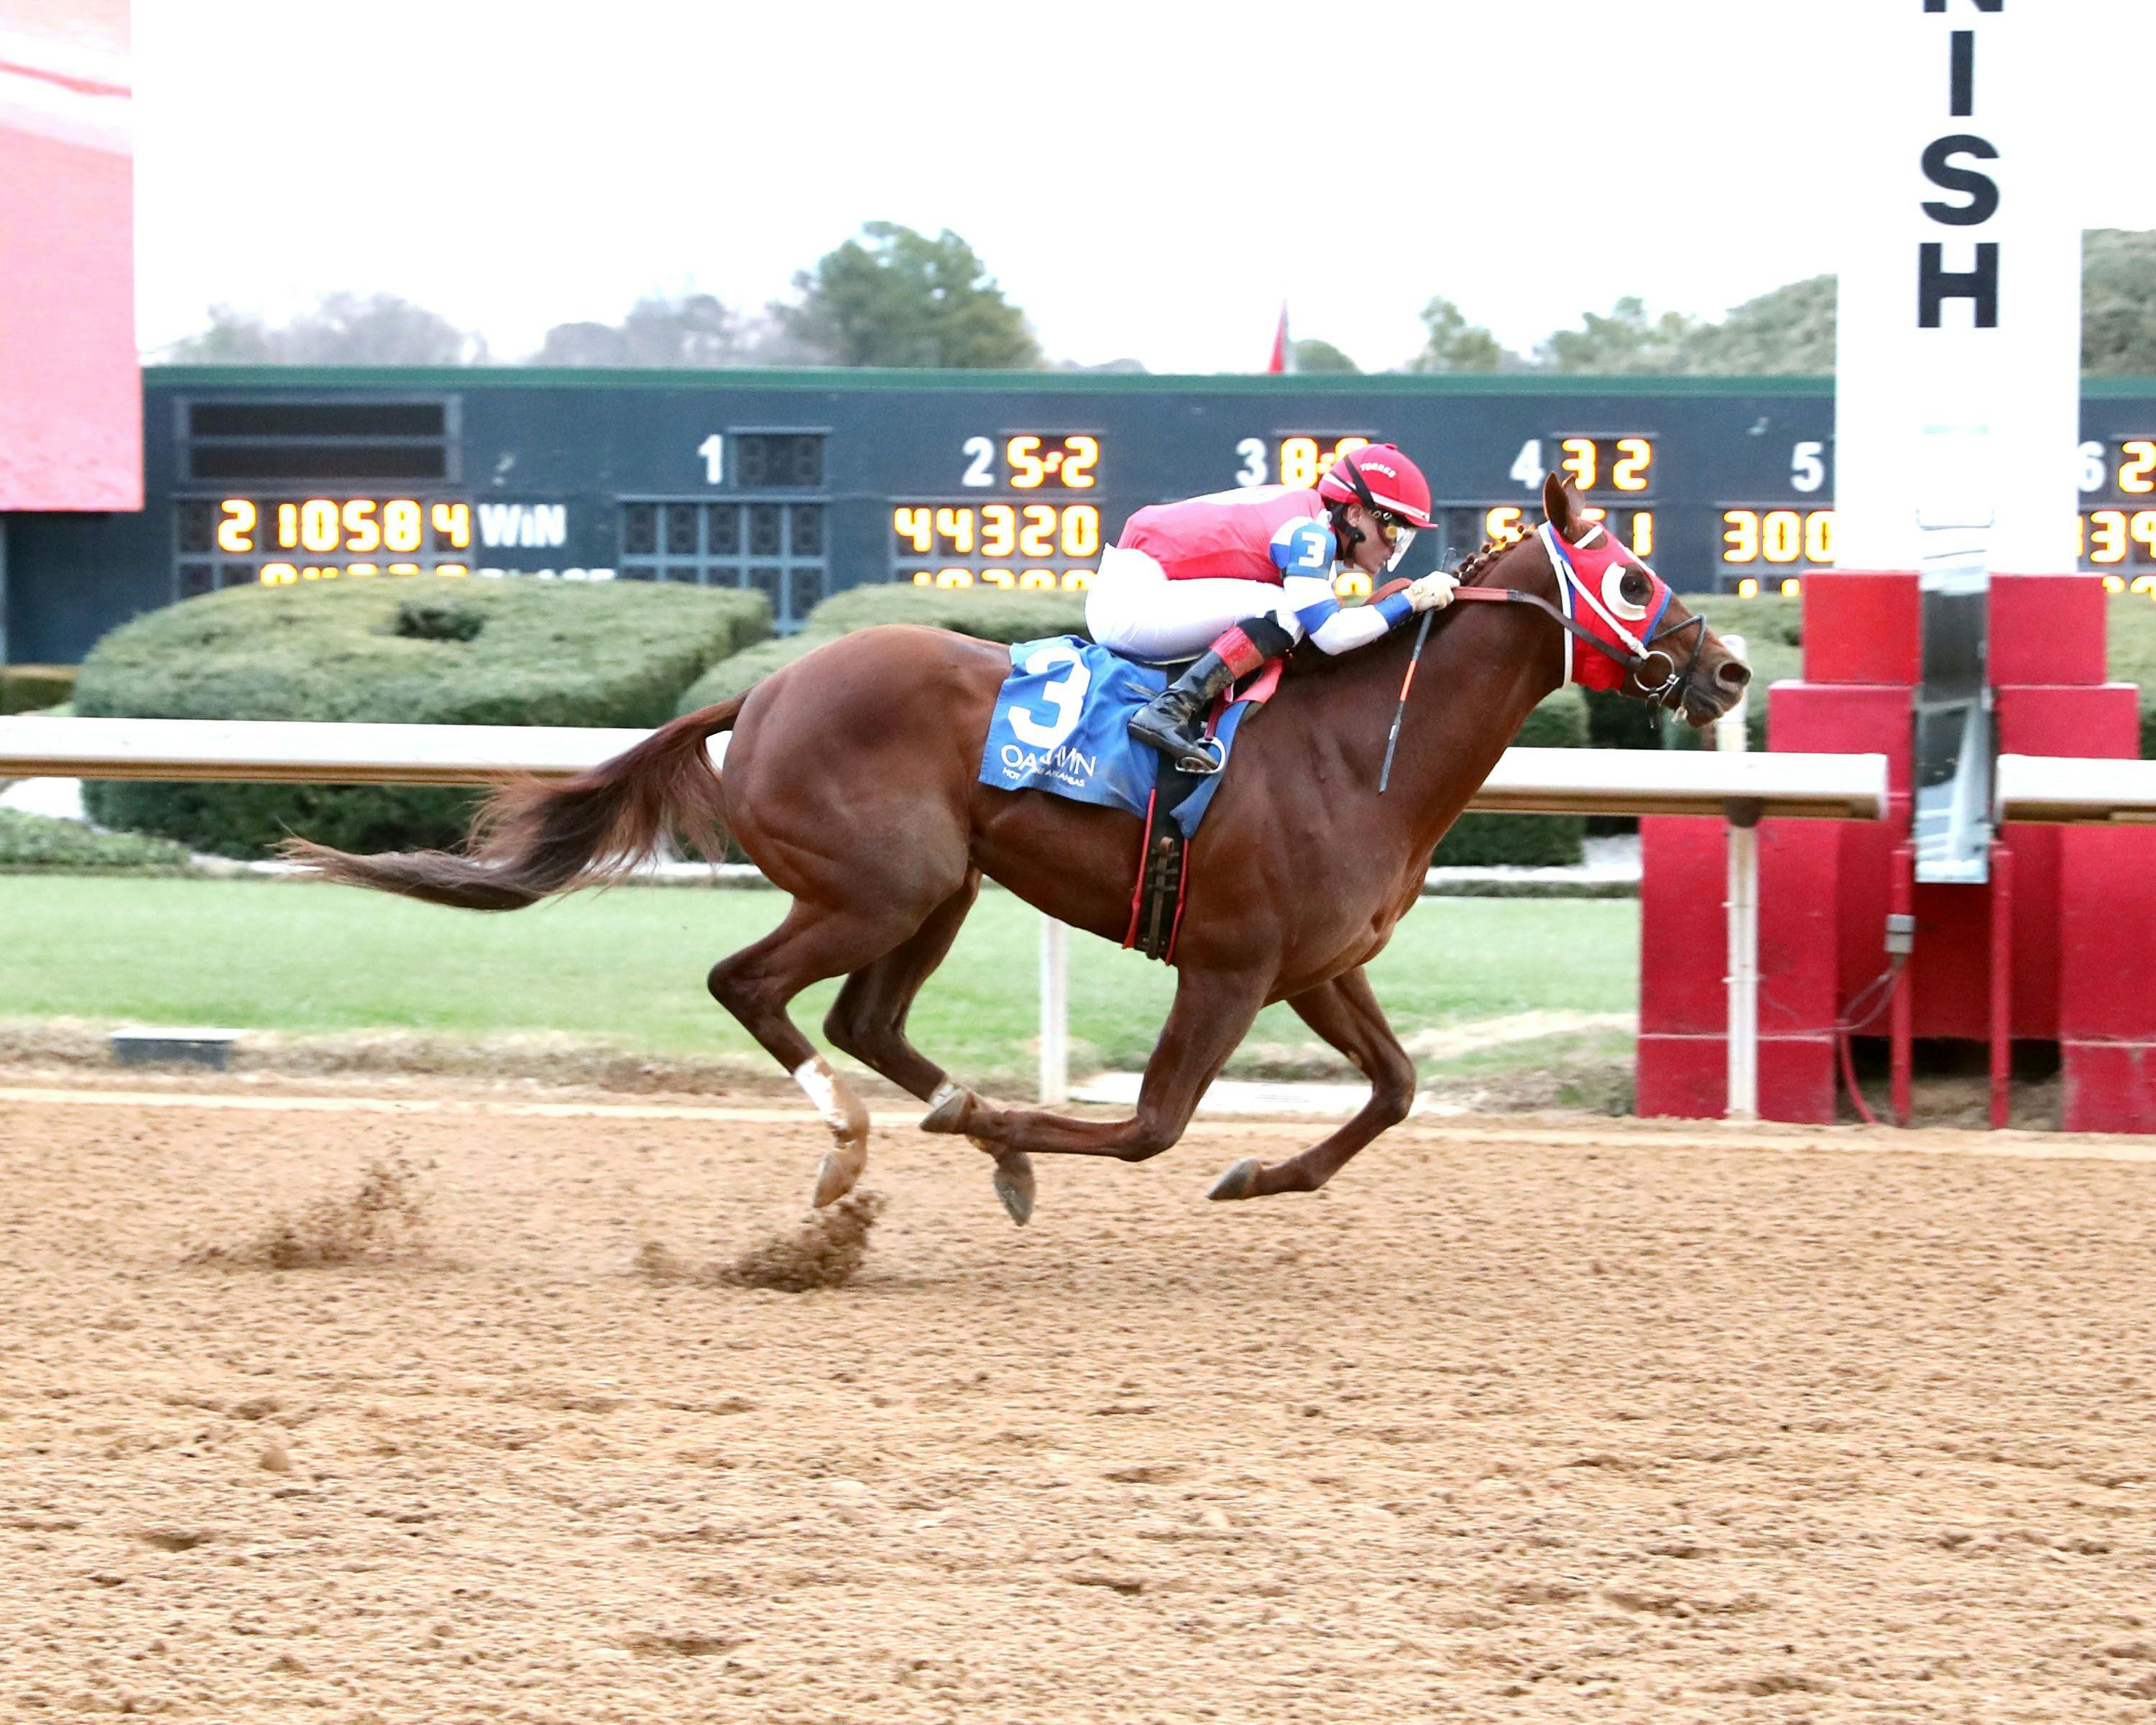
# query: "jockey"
1245 574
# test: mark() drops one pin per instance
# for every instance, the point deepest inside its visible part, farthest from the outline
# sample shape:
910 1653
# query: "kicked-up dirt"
1522 1419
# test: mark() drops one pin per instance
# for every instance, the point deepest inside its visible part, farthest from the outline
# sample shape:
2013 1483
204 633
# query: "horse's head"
1661 652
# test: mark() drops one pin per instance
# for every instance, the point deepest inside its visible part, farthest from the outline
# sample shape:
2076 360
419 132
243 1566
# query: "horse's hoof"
1238 1181
950 1114
840 1172
1014 1185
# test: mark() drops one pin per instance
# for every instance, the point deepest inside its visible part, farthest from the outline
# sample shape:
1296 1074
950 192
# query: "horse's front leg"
1212 1010
1345 1012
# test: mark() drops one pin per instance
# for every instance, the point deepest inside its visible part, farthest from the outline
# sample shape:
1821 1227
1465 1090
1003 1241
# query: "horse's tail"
532 839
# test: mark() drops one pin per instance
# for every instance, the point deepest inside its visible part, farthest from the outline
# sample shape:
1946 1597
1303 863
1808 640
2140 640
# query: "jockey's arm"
1304 553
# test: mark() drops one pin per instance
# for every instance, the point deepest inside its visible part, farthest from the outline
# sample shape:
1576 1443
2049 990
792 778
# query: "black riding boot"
1170 721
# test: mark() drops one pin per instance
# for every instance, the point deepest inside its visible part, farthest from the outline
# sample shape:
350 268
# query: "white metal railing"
1741 789
2048 789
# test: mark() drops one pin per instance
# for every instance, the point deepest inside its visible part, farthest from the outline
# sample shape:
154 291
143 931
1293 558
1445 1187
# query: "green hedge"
31 688
37 844
983 613
1537 840
486 652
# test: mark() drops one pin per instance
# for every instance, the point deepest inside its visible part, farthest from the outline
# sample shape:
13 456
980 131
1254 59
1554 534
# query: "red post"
2002 981
1902 1056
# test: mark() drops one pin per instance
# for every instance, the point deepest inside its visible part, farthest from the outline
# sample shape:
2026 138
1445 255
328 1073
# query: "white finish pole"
1055 1013
1742 912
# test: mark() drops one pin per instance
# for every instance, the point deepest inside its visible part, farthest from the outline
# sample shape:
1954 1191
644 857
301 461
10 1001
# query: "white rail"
1742 789
1526 781
2041 787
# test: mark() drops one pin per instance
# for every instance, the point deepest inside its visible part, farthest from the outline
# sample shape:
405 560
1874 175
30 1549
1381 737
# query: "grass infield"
626 968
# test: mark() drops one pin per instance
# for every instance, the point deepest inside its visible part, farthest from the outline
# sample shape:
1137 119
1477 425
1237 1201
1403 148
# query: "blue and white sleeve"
1333 629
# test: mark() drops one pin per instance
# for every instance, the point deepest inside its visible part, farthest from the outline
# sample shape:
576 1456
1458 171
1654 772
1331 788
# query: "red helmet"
1378 476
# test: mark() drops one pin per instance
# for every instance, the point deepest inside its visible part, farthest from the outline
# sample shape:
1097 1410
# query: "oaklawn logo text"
1061 762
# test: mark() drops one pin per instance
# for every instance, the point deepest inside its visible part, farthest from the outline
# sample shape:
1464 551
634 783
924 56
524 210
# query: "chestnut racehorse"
850 780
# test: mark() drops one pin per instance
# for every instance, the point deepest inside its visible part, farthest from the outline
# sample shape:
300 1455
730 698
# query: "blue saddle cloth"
1059 727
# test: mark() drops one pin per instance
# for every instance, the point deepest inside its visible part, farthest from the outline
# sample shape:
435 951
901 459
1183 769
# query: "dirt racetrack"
1522 1420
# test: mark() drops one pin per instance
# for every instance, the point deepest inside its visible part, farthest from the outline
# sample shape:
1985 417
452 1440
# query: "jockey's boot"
1171 721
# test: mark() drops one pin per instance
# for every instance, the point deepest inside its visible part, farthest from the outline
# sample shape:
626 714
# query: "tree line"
891 296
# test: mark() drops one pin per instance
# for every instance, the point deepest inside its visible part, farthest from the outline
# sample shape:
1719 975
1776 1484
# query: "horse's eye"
1635 588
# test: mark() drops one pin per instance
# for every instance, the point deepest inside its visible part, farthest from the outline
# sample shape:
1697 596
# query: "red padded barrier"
1862 626
2045 629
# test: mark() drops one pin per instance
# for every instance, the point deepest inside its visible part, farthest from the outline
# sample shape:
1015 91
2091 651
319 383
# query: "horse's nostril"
1732 673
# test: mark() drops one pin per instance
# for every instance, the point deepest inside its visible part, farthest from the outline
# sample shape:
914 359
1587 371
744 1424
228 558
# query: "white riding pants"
1134 609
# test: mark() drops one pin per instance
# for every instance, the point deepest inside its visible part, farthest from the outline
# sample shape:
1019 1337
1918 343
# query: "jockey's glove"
1431 593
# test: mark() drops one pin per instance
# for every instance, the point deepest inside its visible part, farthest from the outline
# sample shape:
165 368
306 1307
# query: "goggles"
1397 533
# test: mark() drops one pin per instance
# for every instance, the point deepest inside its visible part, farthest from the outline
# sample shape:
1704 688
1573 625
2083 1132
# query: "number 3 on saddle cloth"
1061 727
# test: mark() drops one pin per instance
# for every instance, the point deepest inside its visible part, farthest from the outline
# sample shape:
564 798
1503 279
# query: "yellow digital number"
1037 581
2136 466
288 526
2143 584
1081 455
954 577
922 577
1629 471
1081 530
1792 588
1037 537
235 533
1749 588
1740 536
402 520
1502 525
453 524
1642 533
1298 463
1353 586
279 574
1027 468
2107 536
360 571
1077 580
999 530
998 577
1781 537
361 532
916 527
318 525
2142 531
1346 444
1819 537
403 569
451 569
1594 512
1579 461
957 527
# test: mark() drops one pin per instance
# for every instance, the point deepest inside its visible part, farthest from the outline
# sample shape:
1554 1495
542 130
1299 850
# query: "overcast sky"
1148 180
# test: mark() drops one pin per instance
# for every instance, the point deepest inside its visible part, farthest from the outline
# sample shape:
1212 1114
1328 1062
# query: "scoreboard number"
713 450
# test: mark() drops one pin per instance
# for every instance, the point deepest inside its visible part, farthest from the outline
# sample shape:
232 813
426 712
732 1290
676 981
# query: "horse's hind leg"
1345 1012
757 983
868 1020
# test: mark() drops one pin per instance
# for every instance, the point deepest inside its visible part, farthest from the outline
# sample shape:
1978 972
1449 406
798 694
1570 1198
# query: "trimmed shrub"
508 653
32 688
2132 658
39 843
1773 628
982 612
1534 840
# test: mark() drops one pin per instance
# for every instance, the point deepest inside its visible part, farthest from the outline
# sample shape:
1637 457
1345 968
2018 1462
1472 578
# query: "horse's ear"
1556 504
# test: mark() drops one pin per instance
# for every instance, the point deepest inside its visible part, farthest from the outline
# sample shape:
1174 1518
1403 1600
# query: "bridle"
1651 667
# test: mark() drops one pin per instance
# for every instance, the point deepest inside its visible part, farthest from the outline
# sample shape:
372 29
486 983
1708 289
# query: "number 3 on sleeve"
1302 549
